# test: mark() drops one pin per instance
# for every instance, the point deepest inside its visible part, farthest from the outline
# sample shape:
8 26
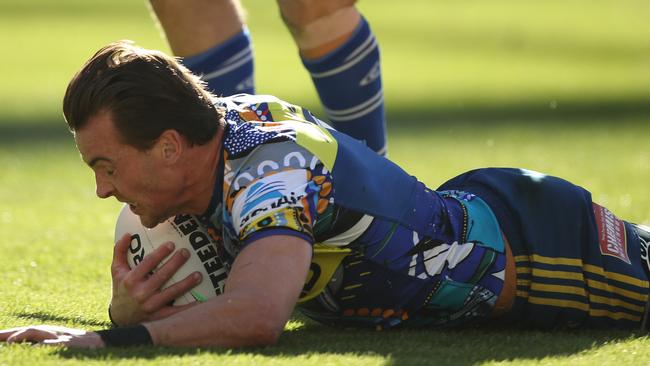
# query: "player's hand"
52 335
137 293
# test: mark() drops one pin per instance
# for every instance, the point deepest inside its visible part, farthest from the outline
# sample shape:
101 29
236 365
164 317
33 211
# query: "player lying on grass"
489 245
271 181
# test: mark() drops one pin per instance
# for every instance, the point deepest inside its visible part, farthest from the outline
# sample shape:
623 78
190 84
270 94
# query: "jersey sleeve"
281 202
276 178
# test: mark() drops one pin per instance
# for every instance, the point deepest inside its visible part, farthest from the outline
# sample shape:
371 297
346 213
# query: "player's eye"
109 172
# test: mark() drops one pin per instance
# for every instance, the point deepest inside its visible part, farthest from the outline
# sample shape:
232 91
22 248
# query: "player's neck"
201 173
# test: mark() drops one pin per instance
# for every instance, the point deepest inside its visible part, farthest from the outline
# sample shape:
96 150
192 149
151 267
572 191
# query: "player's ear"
169 146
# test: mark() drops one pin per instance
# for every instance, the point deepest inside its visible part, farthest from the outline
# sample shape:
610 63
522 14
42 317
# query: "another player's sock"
227 67
348 81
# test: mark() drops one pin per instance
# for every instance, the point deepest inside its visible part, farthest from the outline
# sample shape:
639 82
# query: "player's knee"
297 14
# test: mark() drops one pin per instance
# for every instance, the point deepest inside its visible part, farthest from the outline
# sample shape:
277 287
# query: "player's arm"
262 289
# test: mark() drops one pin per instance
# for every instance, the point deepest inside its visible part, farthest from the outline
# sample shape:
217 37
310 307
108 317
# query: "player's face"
132 176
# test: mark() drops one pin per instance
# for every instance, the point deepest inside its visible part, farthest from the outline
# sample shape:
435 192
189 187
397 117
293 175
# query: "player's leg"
340 52
577 263
213 40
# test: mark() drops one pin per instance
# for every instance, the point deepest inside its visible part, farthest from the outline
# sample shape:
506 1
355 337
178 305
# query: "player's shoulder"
243 102
243 98
256 120
265 108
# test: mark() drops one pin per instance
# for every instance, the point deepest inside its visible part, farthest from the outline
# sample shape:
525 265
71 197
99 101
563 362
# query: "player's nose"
103 189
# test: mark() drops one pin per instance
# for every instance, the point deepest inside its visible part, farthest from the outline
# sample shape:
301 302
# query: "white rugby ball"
185 231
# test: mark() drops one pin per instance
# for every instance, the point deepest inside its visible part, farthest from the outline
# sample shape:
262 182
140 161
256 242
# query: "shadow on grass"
397 347
16 133
50 318
418 115
572 112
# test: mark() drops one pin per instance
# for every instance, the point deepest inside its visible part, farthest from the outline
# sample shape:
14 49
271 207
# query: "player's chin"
150 221
149 224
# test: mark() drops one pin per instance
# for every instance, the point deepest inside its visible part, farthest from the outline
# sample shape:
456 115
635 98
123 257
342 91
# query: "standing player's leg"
211 37
340 52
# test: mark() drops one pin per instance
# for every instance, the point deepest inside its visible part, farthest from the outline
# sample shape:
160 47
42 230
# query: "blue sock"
226 67
348 81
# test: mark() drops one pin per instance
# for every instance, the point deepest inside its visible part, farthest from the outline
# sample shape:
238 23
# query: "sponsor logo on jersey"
611 234
273 192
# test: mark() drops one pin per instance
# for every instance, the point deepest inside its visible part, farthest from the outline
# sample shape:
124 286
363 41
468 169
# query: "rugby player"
309 216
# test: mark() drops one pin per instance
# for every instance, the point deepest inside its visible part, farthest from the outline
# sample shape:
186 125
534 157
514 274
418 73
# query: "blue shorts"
576 263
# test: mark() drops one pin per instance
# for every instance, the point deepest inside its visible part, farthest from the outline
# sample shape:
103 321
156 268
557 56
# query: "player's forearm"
263 287
229 320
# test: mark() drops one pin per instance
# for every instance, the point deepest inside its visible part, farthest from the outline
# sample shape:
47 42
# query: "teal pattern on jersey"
388 250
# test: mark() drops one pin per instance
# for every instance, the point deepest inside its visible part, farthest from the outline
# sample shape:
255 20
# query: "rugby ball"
185 231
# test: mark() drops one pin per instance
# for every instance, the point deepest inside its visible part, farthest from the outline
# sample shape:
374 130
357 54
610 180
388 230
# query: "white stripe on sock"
348 65
360 48
358 110
228 67
243 53
362 113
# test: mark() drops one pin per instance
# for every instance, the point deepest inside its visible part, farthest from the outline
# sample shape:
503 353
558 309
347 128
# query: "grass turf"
559 87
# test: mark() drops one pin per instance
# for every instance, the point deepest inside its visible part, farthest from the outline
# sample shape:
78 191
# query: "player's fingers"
152 260
119 253
30 335
172 292
167 270
59 329
6 333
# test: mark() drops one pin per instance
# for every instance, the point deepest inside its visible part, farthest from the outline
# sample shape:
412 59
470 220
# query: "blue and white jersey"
387 250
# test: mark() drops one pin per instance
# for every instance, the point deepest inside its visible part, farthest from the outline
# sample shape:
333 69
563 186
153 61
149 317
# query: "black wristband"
137 335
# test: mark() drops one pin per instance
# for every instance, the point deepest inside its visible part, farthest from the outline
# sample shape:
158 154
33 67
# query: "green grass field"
561 87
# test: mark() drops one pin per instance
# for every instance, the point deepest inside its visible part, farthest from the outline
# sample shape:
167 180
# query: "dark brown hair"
146 92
